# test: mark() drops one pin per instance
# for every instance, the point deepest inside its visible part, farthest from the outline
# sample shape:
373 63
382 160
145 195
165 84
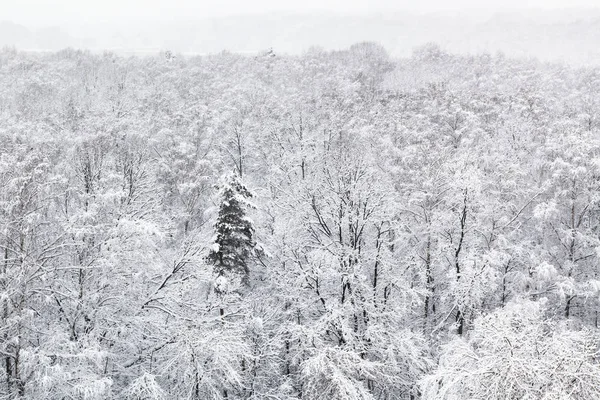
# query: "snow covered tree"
429 227
518 353
233 242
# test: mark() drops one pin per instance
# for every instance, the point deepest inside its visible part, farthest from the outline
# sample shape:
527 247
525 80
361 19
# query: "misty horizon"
42 12
566 35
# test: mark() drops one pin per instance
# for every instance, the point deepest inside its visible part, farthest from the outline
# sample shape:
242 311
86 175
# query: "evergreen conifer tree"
233 241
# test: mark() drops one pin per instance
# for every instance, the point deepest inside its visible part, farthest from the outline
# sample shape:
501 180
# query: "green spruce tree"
233 242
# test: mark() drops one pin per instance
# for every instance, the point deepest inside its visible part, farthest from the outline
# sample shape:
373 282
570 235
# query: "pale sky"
74 11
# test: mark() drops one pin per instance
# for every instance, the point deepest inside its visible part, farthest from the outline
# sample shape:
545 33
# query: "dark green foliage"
233 242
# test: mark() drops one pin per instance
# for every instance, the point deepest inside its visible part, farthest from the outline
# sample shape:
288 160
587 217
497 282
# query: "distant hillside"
12 34
47 38
569 35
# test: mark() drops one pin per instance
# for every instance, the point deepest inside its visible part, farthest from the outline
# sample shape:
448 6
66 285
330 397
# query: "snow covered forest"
336 225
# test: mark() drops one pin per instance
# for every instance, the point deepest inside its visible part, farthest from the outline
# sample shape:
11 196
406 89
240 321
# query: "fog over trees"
342 225
566 35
